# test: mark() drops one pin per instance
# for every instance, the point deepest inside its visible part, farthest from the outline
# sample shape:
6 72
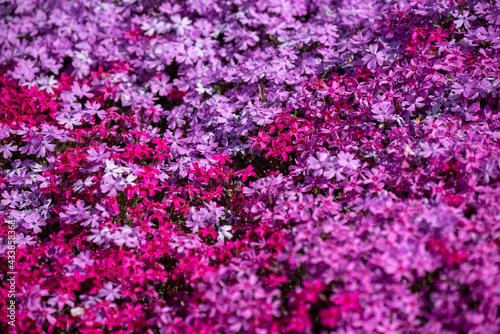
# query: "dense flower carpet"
256 166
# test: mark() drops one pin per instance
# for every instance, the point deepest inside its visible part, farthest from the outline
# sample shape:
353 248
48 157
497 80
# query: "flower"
224 233
110 292
383 110
256 167
437 35
375 58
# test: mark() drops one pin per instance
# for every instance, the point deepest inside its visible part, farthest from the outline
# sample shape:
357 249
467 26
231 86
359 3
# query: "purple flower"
383 110
7 150
81 91
33 222
348 160
112 186
374 58
110 292
11 199
25 70
72 213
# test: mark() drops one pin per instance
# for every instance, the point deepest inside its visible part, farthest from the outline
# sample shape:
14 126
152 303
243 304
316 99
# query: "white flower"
200 89
224 233
154 26
408 150
77 311
180 24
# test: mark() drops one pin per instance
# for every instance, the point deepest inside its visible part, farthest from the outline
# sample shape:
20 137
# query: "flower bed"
250 166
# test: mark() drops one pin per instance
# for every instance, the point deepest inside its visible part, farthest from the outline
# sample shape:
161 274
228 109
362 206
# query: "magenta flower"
437 35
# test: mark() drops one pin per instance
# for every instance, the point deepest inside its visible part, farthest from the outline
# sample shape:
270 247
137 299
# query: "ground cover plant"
250 166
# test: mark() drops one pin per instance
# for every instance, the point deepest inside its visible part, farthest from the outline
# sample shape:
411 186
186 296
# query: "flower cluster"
251 166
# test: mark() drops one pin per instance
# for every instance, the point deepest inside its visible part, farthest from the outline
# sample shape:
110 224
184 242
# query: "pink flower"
329 316
437 35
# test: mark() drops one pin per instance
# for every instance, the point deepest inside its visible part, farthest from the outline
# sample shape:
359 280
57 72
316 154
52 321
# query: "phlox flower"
348 160
110 292
11 199
180 24
224 232
7 150
375 58
437 35
383 110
